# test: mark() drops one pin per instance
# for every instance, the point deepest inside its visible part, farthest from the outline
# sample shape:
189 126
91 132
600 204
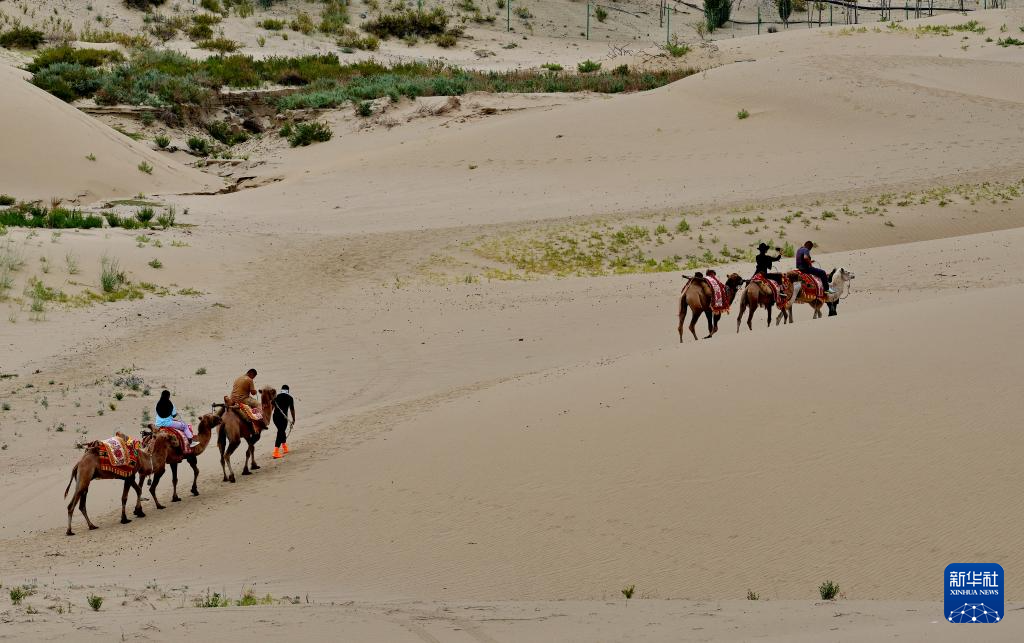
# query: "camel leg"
81 507
71 506
711 323
152 487
743 309
252 456
138 498
195 474
129 482
693 325
227 459
682 318
245 463
220 447
750 318
174 481
769 307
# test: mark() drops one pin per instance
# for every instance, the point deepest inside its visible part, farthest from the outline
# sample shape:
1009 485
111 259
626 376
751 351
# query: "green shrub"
111 275
552 67
677 50
116 221
600 13
716 13
302 23
21 38
162 141
446 40
95 602
364 108
220 45
212 5
742 114
166 219
334 17
7 199
145 168
212 600
35 216
68 54
351 40
307 133
143 5
199 146
409 23
683 226
272 24
225 133
588 66
828 590
144 215
68 81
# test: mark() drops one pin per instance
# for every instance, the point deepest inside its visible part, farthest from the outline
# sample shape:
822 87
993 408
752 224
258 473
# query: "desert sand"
486 452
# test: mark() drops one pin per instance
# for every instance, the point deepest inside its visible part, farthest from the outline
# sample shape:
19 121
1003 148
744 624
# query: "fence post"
588 21
668 25
830 15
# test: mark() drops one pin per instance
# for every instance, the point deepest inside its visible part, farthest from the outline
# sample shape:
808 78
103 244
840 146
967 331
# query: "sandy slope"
495 461
829 113
46 143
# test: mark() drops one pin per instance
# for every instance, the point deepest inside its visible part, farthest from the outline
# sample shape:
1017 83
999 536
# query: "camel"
88 469
696 296
234 428
755 295
839 285
174 456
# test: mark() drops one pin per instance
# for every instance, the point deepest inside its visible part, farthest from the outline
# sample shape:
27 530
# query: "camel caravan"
704 294
170 441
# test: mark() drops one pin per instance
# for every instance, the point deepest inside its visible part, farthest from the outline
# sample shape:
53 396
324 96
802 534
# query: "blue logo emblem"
974 593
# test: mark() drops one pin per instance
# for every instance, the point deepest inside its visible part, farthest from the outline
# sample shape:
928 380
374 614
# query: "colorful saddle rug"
120 455
780 293
719 301
252 414
183 442
812 287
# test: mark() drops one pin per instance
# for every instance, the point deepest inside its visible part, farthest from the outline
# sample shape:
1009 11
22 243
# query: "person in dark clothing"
764 262
283 403
804 263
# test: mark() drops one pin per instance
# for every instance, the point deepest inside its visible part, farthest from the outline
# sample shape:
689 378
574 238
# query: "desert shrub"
306 133
828 590
716 13
21 38
95 602
799 5
552 67
785 8
68 54
166 218
212 5
199 146
302 23
225 133
588 66
136 41
677 50
162 141
446 40
364 108
68 81
144 215
522 12
621 70
333 17
127 223
601 14
143 5
145 168
212 600
272 24
352 40
36 216
220 45
111 275
7 199
409 23
743 114
752 595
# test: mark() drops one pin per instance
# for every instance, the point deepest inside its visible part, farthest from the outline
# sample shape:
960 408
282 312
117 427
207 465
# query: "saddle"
118 454
183 442
779 292
253 415
812 285
719 300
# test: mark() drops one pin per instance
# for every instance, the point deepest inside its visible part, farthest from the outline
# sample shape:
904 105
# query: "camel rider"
165 417
764 262
243 391
804 263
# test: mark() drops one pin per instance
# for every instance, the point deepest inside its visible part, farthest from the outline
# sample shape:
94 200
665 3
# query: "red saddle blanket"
255 414
778 292
811 285
183 442
719 301
119 455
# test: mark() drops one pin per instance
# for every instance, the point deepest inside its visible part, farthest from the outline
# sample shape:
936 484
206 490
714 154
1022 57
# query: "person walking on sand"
165 414
283 403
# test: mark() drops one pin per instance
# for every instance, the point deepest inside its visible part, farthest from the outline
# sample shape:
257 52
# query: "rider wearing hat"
765 261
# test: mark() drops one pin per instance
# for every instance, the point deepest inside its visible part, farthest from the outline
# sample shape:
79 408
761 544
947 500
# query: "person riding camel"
805 264
764 262
243 393
165 417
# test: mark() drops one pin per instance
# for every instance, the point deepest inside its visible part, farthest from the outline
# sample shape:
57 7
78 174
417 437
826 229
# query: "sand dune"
45 153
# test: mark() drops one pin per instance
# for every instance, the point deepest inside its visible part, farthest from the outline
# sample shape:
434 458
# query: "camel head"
734 281
208 422
845 275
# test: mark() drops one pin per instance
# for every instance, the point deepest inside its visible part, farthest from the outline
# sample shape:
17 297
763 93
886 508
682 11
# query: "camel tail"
74 476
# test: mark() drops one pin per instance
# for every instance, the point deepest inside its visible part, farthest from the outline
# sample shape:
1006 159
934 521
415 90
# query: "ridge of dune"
47 142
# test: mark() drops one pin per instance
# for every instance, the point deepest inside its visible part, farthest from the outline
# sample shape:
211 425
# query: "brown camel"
235 427
756 295
88 469
697 295
203 434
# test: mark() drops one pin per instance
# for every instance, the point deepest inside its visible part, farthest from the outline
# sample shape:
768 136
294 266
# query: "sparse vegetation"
199 146
28 215
676 49
220 45
752 595
423 24
201 371
743 114
145 168
111 276
828 590
19 37
307 133
628 591
588 66
212 600
156 264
